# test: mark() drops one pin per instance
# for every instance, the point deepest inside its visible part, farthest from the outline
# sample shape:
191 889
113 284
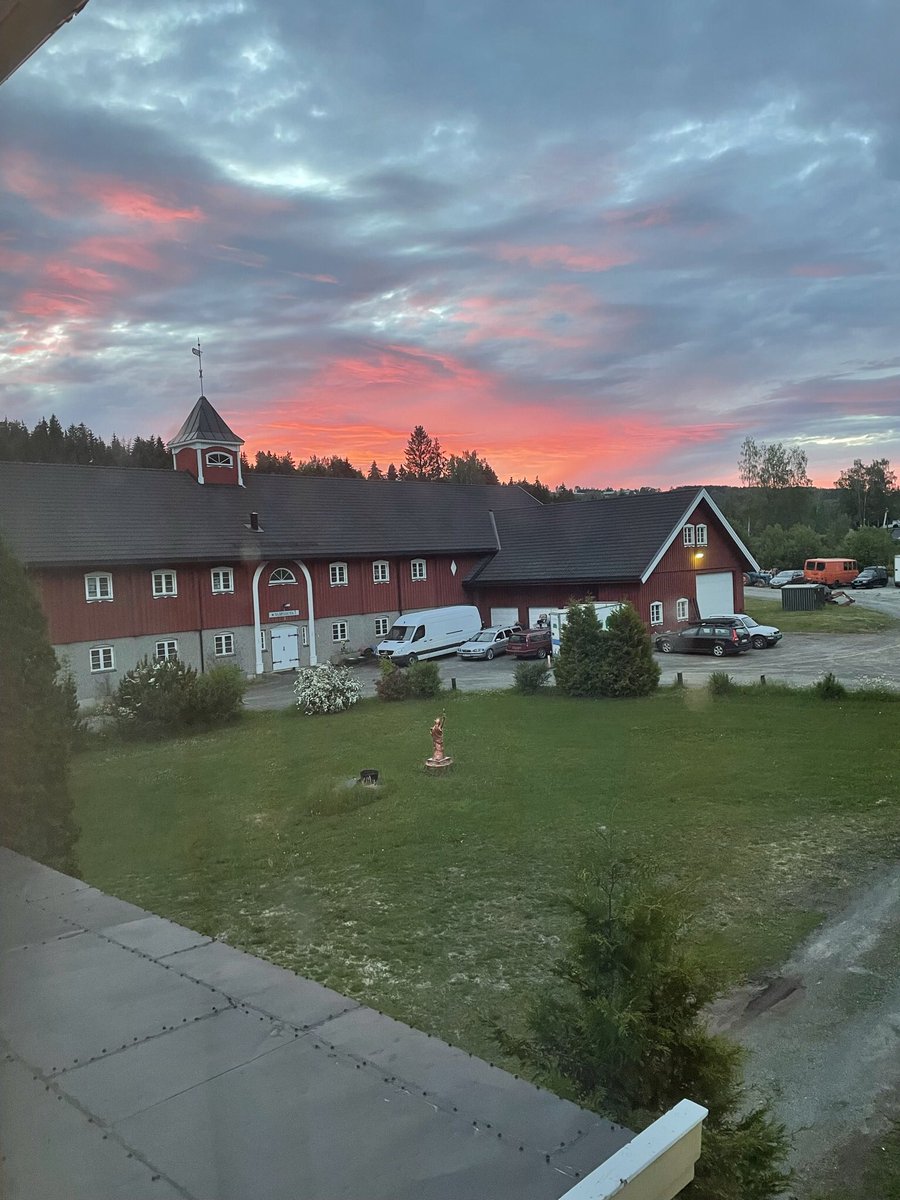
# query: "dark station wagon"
706 637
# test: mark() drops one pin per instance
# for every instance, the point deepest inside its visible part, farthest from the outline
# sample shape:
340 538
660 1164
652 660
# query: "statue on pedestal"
438 757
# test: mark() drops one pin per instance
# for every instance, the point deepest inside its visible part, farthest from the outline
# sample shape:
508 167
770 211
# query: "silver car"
489 643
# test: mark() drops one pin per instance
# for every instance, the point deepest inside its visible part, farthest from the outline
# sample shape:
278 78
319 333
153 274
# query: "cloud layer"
595 242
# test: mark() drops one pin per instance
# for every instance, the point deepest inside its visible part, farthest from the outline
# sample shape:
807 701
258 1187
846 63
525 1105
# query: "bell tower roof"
203 424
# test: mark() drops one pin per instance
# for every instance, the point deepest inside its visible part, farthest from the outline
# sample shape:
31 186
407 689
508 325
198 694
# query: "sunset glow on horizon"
603 260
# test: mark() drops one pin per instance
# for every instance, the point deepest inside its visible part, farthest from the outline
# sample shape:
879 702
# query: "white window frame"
700 535
418 570
286 576
682 609
385 624
104 653
166 655
339 632
225 582
218 458
164 592
687 535
304 635
381 571
656 613
95 579
223 645
338 576
263 640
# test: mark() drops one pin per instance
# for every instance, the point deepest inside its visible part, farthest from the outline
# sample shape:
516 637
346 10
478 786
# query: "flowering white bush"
326 689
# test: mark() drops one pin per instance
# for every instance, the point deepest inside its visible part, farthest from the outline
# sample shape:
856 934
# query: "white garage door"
504 616
535 614
715 594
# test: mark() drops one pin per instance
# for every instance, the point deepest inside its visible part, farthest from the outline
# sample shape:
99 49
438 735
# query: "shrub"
326 689
720 683
218 696
154 698
829 688
394 683
623 1030
530 677
628 667
423 680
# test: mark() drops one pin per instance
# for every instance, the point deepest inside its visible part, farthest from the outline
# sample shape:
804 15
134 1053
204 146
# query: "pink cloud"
126 252
560 255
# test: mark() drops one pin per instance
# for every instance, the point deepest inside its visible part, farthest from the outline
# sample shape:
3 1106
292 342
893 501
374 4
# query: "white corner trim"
311 618
614 1177
256 621
199 466
702 494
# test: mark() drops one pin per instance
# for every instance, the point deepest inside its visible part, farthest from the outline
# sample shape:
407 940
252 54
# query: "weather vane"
196 350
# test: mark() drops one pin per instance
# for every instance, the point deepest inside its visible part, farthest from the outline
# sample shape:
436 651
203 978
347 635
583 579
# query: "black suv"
871 577
718 636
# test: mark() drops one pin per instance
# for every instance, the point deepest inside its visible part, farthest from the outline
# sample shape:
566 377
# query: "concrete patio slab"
141 1060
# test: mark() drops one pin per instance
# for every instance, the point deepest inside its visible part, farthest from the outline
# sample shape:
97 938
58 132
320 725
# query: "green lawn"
432 898
833 618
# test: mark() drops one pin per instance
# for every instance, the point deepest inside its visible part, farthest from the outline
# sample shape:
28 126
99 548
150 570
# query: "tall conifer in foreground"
35 729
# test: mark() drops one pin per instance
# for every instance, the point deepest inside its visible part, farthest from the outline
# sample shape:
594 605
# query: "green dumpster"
800 597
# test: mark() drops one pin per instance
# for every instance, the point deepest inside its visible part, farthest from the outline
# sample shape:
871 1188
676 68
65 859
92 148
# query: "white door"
535 614
285 648
715 594
504 616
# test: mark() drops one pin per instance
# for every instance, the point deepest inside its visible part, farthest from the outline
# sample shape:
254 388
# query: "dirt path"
824 1036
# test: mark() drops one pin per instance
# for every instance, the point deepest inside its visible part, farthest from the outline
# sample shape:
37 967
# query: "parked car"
761 636
530 643
870 577
489 643
707 637
783 577
756 578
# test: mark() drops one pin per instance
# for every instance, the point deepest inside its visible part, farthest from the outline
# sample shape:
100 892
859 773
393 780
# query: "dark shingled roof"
583 542
57 515
203 424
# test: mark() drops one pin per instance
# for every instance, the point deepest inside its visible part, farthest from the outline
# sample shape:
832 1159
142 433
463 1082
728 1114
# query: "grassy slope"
430 898
833 618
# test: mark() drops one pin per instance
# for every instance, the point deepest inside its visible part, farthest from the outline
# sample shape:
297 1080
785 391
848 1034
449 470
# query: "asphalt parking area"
858 660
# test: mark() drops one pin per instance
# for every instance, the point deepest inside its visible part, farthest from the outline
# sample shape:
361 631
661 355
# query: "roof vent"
254 522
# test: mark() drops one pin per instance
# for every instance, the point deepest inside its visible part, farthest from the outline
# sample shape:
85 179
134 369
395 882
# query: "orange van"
836 572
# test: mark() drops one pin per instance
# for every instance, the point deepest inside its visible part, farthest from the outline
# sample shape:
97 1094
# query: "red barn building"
272 572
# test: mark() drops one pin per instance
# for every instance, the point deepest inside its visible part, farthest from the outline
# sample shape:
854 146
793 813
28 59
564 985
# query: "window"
701 535
102 659
419 634
417 569
688 535
281 575
381 571
222 580
337 573
656 613
164 583
166 650
216 458
224 644
339 631
681 610
382 625
262 640
98 587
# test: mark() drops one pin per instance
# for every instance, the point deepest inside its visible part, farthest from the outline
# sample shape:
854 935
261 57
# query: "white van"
430 633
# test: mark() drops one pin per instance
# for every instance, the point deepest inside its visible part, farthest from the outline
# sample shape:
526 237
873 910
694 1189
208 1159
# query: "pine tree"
374 471
35 729
578 668
623 1031
469 468
629 667
391 473
423 457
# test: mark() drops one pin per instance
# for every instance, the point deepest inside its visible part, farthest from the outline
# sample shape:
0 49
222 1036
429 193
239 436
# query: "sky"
598 241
